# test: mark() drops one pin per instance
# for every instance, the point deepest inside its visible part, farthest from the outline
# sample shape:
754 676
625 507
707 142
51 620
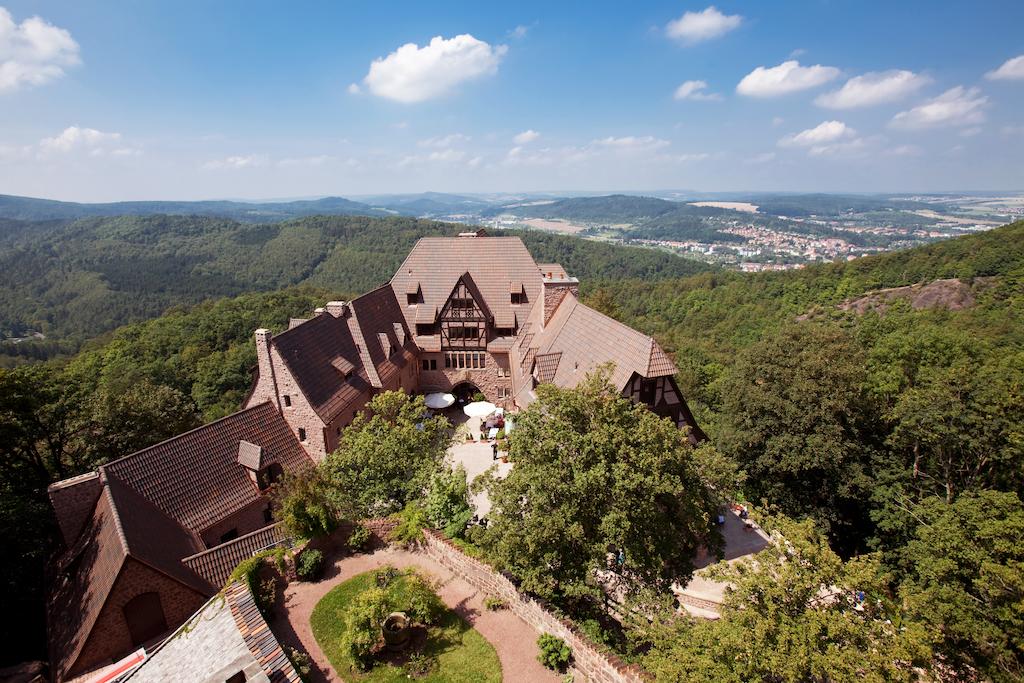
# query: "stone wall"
589 662
486 378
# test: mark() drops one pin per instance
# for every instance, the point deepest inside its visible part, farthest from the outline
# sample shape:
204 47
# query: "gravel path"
513 639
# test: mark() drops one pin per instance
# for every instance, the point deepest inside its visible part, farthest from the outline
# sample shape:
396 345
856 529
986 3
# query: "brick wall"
109 639
589 662
554 292
73 501
248 519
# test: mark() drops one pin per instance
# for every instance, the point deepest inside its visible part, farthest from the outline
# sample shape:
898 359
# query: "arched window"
145 617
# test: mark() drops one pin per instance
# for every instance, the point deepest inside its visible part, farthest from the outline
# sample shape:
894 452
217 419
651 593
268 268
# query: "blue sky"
190 100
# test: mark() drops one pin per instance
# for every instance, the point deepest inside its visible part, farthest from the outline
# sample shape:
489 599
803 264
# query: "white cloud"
1011 70
526 137
353 89
413 74
33 52
631 143
443 141
825 132
786 78
957 106
75 139
873 88
519 31
695 90
694 27
851 149
239 161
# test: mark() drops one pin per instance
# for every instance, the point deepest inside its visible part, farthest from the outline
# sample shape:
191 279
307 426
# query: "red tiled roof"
258 637
547 364
500 344
216 564
436 263
429 342
124 524
195 478
310 352
374 315
587 339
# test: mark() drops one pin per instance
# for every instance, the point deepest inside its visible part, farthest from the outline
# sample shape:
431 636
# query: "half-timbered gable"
465 318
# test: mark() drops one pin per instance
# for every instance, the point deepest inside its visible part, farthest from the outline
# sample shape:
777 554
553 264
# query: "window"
425 329
504 332
462 304
464 332
647 387
236 678
302 434
503 372
269 475
465 360
287 401
413 299
504 392
518 298
229 535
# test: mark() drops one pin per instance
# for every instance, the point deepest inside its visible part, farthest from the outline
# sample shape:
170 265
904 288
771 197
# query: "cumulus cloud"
413 74
827 131
694 27
848 149
526 137
786 78
695 90
957 106
236 162
75 139
1011 70
873 88
33 52
443 141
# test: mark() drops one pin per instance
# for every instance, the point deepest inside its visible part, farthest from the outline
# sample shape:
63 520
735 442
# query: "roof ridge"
233 541
103 468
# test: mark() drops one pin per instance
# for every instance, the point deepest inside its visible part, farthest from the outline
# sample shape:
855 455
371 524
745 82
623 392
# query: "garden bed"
457 652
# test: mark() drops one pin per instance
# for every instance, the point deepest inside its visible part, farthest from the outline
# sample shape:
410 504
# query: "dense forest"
74 281
873 425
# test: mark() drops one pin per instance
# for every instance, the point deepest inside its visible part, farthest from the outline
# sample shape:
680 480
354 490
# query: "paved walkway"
513 639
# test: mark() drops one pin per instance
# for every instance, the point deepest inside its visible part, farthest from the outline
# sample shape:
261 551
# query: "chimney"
338 309
267 381
556 286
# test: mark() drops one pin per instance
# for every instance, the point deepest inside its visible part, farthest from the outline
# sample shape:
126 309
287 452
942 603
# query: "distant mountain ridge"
33 209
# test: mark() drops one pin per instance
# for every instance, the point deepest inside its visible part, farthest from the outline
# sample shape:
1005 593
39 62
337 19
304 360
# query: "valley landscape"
369 349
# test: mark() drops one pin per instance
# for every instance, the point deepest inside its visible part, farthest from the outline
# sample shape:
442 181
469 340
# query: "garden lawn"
463 655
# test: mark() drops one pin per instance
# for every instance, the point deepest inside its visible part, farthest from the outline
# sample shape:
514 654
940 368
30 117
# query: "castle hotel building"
150 537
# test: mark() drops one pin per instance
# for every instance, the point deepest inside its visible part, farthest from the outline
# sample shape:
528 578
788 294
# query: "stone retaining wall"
589 662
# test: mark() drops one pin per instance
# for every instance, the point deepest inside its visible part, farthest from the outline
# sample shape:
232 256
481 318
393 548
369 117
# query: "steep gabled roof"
474 291
315 352
436 263
586 339
195 478
374 318
123 525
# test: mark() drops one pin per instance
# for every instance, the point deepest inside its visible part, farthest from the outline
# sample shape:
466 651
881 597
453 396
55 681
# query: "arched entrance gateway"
464 392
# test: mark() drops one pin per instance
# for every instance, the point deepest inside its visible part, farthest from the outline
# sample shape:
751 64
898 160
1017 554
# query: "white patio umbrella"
439 401
479 409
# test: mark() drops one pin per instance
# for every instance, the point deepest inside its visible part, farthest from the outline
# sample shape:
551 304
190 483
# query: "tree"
794 417
965 579
793 613
387 456
447 501
595 472
304 506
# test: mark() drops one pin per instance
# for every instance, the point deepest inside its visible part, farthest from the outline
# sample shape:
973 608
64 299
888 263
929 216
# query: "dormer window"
287 401
516 294
413 294
343 366
269 475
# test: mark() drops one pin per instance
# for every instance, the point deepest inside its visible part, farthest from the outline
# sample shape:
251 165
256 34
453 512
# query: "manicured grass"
463 655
